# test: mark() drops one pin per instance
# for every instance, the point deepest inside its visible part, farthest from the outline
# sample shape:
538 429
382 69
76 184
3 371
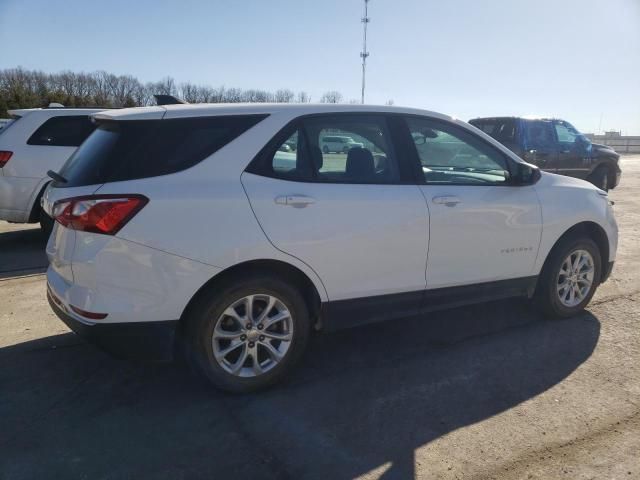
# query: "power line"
364 54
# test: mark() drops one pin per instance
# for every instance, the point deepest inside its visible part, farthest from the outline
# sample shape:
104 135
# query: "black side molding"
340 314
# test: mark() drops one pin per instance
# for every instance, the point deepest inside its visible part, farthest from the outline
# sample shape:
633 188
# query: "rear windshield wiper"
56 176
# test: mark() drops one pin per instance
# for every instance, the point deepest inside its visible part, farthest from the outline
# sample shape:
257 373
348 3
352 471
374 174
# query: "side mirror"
526 174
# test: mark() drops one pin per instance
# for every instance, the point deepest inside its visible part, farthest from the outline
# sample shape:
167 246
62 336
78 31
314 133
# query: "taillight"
105 214
4 157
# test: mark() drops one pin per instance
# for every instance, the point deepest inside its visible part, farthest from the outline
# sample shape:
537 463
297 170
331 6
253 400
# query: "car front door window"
450 156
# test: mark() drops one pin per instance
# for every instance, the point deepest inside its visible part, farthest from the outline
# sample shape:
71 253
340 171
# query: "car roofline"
293 109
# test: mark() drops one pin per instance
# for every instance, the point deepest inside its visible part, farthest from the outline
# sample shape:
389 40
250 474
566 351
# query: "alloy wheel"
252 335
575 278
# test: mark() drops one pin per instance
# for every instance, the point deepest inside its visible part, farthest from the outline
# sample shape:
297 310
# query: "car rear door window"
540 135
331 149
128 150
361 151
502 129
63 131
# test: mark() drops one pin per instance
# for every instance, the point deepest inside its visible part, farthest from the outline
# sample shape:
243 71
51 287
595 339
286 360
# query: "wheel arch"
35 206
278 268
591 230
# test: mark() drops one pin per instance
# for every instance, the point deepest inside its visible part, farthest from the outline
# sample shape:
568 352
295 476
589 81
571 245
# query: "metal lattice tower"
364 54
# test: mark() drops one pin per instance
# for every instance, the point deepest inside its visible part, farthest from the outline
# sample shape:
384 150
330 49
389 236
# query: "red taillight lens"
91 315
4 157
105 214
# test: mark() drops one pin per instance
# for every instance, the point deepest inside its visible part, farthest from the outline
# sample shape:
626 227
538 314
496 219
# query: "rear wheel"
248 335
46 224
600 178
569 278
325 149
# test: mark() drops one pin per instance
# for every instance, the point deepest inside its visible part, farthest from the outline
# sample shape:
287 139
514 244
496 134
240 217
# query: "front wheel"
249 335
569 278
600 179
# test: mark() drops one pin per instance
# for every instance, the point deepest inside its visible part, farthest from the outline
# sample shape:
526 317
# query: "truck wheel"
600 178
249 334
569 277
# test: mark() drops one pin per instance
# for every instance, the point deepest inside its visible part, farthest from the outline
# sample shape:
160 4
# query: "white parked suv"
338 144
188 225
39 139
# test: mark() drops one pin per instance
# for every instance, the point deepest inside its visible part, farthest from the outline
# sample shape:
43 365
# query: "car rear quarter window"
128 150
65 131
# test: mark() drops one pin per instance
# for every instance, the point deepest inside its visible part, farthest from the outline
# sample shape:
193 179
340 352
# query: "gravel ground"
492 391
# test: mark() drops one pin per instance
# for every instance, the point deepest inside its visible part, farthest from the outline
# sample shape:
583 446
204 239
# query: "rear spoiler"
16 114
168 100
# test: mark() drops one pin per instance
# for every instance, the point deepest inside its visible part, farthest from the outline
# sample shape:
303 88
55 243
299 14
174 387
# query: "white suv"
338 144
188 225
39 139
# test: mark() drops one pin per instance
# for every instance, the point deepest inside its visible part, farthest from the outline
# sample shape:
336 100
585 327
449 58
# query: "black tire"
345 150
325 149
546 296
46 224
202 320
600 178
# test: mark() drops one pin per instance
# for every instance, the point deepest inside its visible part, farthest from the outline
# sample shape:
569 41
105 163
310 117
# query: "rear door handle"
448 200
298 201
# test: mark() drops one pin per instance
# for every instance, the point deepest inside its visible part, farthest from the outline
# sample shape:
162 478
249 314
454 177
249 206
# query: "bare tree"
284 96
303 97
189 92
20 88
332 96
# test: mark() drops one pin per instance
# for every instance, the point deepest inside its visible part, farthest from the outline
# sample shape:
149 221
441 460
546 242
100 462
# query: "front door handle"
297 201
448 200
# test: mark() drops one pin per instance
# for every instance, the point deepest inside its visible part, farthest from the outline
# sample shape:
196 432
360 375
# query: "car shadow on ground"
362 399
22 252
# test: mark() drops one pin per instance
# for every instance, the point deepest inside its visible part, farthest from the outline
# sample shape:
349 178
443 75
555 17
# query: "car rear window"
66 131
128 150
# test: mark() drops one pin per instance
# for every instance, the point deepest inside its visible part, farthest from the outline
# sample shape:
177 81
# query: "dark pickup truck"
555 146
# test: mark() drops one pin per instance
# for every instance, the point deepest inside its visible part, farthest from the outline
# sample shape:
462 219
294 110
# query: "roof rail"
168 100
55 105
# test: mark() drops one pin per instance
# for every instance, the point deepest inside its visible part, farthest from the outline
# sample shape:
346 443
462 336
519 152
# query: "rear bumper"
149 341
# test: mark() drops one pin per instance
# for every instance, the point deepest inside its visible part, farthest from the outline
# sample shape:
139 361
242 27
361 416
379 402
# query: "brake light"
4 157
105 214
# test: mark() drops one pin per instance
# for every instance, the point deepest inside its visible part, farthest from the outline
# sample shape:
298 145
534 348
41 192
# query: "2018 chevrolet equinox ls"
190 224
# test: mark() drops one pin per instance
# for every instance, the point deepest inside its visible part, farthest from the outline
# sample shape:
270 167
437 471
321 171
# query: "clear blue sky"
576 59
